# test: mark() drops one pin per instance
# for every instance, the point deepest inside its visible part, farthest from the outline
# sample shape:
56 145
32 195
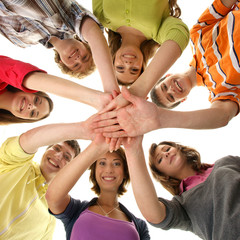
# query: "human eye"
36 100
117 164
66 157
165 86
85 58
56 148
119 68
171 97
159 160
101 163
32 113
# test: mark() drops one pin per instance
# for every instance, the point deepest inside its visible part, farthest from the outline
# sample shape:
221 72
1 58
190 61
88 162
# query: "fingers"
103 116
112 105
110 129
115 144
117 134
104 123
128 96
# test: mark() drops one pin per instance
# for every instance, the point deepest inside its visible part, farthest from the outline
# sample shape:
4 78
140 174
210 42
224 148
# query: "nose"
31 106
109 169
171 90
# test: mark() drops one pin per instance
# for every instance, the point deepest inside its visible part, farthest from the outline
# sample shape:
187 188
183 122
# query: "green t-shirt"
150 17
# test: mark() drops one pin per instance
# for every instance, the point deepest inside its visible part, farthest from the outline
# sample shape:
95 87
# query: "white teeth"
129 56
73 54
53 163
22 105
178 86
108 178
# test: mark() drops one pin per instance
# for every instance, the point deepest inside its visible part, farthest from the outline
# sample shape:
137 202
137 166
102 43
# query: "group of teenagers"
205 196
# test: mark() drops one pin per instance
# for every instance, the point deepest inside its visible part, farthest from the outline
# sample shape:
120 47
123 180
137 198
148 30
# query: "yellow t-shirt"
24 211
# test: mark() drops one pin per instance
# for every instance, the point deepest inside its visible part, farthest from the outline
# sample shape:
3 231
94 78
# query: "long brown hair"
6 117
192 157
122 188
147 47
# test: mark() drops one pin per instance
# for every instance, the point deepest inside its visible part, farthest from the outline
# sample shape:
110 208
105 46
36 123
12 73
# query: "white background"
212 144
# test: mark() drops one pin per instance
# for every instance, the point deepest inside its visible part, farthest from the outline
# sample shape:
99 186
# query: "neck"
108 199
131 36
55 41
6 100
192 75
186 172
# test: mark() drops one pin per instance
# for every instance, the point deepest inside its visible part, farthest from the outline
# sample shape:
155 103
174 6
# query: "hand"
132 143
105 99
116 103
137 118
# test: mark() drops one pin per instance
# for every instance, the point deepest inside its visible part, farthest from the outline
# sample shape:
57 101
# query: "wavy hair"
192 157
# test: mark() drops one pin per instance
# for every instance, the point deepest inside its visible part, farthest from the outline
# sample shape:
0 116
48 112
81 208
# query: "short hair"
157 99
65 70
122 188
148 49
71 143
192 157
6 117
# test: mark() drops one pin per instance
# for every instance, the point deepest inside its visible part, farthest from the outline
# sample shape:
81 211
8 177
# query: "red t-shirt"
12 72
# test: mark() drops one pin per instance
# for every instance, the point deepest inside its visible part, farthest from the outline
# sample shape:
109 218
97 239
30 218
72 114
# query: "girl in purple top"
103 217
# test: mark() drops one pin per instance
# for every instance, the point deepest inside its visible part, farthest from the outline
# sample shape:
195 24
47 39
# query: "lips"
22 104
178 86
53 163
74 54
108 178
129 55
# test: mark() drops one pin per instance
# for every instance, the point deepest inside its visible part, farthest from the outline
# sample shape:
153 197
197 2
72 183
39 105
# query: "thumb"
128 96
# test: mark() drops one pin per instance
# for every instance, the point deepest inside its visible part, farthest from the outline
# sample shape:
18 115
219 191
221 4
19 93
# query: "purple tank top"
92 226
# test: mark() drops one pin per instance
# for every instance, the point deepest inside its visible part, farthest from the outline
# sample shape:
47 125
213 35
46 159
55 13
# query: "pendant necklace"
107 213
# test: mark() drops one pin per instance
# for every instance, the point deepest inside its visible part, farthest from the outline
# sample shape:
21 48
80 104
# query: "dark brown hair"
122 188
192 157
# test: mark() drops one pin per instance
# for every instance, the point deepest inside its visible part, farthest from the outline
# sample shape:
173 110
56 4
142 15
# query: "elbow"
50 197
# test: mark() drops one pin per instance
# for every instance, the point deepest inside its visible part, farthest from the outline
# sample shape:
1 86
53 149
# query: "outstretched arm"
57 193
101 54
142 116
146 197
50 134
62 87
165 57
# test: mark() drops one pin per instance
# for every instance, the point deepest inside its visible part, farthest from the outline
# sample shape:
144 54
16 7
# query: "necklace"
107 213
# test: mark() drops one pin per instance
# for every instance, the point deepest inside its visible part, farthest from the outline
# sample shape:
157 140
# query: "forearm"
228 3
50 134
68 89
143 188
101 54
165 57
64 181
201 119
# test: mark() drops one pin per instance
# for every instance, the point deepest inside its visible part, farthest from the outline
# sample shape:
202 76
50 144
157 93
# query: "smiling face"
173 89
169 161
109 172
128 64
74 55
29 106
55 158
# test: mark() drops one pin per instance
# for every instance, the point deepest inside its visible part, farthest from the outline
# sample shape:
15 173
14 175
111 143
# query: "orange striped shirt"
215 43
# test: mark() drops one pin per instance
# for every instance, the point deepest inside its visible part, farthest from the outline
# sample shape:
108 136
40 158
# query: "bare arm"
218 115
228 3
101 54
49 134
51 84
165 57
142 116
146 197
57 193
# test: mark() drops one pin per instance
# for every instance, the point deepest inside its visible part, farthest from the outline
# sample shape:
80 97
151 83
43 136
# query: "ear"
183 100
168 75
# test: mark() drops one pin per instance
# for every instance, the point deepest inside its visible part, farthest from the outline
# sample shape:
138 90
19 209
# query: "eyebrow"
63 150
